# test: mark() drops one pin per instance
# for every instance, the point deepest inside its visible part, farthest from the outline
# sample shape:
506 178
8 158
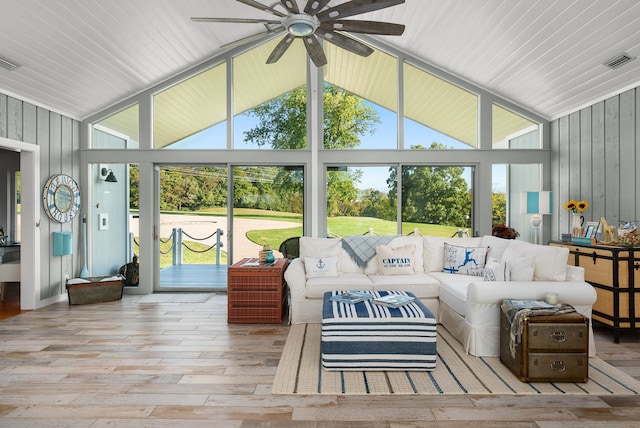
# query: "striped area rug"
300 372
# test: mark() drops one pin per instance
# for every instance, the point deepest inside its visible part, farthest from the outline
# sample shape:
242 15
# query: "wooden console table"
611 270
256 294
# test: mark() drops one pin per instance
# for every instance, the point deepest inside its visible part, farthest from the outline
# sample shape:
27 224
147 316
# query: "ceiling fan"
314 21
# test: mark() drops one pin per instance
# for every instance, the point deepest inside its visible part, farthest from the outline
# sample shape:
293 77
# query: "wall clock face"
61 198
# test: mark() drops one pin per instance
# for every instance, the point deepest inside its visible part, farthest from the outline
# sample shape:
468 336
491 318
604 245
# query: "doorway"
30 219
191 246
205 224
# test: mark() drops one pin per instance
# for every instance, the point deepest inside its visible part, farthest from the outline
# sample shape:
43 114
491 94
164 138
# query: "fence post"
218 245
179 245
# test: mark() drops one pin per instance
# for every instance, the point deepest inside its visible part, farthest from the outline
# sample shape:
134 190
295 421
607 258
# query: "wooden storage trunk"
554 348
256 294
97 289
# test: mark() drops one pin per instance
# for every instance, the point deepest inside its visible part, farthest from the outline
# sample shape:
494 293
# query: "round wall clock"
61 198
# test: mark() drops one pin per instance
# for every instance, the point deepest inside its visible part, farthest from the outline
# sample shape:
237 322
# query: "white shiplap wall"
59 140
595 158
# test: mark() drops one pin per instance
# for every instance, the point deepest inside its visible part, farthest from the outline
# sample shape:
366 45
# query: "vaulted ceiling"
80 56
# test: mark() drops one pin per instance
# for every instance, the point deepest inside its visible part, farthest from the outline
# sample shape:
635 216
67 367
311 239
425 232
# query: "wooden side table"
256 294
611 271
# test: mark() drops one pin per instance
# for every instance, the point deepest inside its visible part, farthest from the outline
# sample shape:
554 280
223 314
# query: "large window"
358 200
404 147
435 200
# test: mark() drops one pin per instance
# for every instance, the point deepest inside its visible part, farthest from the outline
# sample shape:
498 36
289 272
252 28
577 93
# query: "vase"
269 258
576 224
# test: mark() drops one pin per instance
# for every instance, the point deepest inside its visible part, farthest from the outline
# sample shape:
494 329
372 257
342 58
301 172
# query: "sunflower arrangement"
576 207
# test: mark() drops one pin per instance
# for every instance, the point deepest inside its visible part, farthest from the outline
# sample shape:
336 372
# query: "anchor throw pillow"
321 267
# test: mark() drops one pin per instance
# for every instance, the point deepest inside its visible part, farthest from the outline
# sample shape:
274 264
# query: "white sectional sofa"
466 304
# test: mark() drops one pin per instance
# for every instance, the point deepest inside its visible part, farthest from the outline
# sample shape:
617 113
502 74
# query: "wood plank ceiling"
80 56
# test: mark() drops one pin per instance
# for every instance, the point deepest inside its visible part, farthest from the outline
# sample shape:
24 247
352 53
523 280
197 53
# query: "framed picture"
591 229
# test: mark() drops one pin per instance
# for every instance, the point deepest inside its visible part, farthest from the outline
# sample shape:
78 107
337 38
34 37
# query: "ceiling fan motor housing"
301 25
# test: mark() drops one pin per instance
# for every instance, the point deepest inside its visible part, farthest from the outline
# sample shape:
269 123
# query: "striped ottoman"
367 336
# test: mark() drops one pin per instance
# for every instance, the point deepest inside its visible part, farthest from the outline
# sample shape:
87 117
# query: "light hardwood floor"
171 360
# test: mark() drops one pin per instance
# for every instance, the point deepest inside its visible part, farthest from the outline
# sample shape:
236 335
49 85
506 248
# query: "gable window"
192 114
360 100
435 108
118 131
269 100
513 131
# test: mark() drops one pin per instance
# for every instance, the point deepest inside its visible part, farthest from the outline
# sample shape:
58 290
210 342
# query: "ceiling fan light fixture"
301 25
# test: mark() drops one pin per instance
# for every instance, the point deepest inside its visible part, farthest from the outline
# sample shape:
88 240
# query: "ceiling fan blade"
253 38
291 6
280 48
263 7
367 27
355 7
237 20
314 49
345 42
315 6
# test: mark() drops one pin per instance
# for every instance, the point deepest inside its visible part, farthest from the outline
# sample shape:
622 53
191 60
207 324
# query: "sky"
385 137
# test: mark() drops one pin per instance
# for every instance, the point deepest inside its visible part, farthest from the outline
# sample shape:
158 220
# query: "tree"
374 203
432 194
499 208
282 123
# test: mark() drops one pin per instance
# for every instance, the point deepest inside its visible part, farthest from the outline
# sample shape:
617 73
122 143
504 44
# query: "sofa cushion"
316 267
464 260
550 261
495 270
395 261
421 284
319 247
521 268
496 246
433 252
316 287
453 289
372 267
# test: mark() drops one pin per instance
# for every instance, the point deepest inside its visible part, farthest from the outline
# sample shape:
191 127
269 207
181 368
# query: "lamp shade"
536 202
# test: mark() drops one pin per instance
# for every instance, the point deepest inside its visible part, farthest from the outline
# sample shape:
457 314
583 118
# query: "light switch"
103 221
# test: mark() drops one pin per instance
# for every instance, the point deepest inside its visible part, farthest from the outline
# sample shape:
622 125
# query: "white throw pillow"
521 268
396 261
397 242
322 267
464 260
495 270
550 262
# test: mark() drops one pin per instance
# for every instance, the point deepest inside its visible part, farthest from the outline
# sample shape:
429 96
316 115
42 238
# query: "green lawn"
343 226
338 226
